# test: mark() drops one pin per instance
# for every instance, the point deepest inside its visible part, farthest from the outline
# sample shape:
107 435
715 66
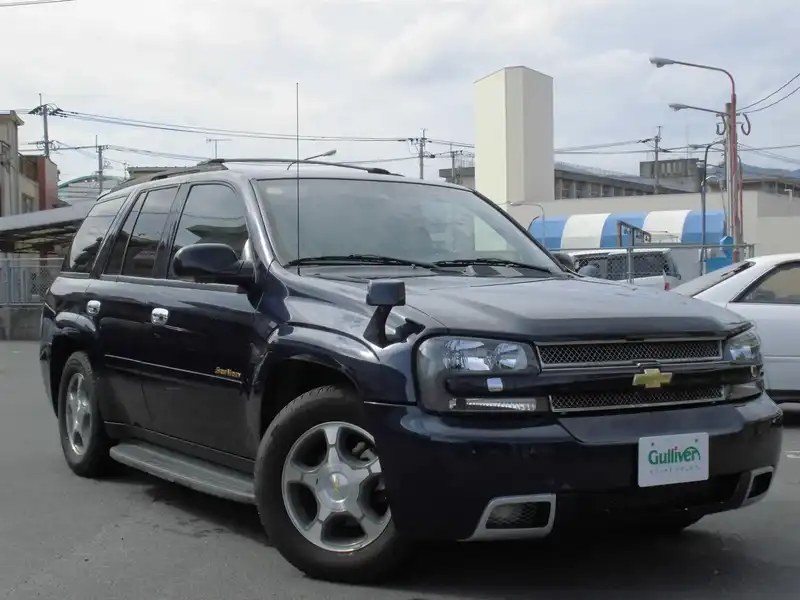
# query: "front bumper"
444 476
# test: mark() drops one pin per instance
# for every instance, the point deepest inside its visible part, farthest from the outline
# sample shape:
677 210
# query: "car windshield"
709 280
427 225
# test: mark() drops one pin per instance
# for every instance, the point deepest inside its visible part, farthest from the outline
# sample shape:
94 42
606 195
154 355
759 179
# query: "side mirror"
565 259
212 263
386 294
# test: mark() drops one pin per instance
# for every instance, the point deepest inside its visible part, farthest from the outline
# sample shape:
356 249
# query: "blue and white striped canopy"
600 230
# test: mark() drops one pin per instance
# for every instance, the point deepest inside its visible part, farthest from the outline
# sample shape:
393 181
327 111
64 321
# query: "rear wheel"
320 493
83 438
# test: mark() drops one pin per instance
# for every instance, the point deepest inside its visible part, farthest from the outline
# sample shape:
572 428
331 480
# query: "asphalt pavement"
135 537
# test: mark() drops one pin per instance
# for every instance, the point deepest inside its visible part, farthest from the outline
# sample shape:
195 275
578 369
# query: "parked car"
766 291
374 362
649 267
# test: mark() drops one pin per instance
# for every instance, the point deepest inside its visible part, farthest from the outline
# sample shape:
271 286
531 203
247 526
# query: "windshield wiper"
494 262
370 259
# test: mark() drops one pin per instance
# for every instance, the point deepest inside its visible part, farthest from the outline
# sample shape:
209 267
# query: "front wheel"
320 492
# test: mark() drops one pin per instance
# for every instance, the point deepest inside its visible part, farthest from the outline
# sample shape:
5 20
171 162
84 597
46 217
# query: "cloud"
388 68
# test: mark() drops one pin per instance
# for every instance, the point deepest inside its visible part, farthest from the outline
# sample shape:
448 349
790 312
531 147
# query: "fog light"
491 404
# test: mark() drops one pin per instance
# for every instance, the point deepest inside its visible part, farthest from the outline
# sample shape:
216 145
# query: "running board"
185 470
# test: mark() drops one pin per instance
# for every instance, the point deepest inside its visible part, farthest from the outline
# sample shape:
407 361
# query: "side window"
90 235
114 264
140 257
213 213
782 286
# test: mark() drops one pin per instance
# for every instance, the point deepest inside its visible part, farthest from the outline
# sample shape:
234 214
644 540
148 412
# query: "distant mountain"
752 170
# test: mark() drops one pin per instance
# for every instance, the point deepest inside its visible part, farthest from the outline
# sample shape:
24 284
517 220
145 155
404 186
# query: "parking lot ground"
135 537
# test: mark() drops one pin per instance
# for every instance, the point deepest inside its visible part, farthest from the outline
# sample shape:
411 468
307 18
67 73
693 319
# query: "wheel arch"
65 343
302 359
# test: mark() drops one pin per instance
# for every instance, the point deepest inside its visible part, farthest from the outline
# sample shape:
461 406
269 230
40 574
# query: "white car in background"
766 290
649 267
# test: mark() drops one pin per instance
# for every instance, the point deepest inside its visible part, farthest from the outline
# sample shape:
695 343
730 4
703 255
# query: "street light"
736 199
330 152
677 107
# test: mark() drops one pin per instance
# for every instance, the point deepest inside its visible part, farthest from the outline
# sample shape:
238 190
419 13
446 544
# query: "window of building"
140 256
90 235
213 213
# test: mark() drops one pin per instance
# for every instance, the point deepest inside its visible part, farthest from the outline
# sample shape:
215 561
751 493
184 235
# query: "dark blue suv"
375 361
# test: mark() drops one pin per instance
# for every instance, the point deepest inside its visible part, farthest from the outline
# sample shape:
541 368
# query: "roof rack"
199 168
291 161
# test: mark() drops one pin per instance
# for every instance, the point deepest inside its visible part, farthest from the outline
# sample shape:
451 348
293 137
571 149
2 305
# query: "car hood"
558 308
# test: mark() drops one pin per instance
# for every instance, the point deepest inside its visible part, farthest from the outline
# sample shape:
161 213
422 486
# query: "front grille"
590 401
622 353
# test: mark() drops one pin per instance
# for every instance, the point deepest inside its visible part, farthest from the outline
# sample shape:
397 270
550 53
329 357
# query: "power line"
213 130
30 2
770 95
778 101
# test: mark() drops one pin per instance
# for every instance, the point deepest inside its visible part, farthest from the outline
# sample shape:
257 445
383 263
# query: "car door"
202 334
772 302
121 298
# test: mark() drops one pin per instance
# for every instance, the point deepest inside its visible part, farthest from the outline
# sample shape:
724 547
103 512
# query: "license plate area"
672 459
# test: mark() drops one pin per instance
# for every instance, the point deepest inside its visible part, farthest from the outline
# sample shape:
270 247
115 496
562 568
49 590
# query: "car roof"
772 259
255 171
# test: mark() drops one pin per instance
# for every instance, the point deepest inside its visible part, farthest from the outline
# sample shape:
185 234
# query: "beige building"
19 192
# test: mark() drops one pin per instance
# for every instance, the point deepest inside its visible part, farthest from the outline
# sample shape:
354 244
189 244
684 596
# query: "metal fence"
26 280
672 263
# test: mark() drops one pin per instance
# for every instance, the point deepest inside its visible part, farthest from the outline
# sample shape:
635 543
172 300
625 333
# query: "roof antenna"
297 165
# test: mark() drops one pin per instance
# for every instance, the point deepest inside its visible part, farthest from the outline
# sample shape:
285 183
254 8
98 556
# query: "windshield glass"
408 221
709 280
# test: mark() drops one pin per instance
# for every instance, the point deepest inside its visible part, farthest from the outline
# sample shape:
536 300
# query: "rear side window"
90 235
114 264
140 256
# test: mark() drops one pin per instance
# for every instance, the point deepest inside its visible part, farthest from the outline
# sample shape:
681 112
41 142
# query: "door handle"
159 316
93 307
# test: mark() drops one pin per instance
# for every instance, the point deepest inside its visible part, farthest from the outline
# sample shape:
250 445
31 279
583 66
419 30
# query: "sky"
389 69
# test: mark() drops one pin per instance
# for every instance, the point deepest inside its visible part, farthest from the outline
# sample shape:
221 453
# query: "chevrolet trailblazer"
374 361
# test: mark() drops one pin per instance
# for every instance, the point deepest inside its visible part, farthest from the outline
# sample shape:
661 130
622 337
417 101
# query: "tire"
302 417
90 458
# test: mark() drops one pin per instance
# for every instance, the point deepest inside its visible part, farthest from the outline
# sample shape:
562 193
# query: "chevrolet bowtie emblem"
652 378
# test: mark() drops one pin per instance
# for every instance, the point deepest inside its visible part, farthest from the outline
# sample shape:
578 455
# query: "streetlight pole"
323 155
731 136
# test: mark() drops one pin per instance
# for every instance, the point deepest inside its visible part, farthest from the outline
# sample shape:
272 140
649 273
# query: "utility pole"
730 172
44 110
421 144
655 162
100 165
216 142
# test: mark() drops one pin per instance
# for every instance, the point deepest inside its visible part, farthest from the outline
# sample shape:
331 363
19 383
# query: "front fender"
376 377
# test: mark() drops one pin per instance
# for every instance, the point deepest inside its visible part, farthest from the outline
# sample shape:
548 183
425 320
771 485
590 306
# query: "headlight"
475 375
744 348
